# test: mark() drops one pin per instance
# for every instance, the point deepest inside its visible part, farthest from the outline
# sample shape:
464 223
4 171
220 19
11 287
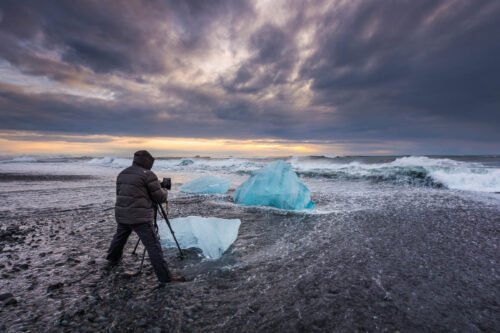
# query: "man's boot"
173 279
177 278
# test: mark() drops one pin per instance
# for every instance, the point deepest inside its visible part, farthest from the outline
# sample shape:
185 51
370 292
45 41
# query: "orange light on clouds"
15 143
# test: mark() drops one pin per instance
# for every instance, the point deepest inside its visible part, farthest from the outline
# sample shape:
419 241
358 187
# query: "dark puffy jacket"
137 188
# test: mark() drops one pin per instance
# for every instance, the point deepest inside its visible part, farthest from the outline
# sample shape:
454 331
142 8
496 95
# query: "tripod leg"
142 260
164 215
136 245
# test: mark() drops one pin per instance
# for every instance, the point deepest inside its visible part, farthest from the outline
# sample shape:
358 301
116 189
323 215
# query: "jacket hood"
144 159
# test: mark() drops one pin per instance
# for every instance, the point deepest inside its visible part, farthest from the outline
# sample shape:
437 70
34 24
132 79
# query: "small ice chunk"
186 162
210 234
207 184
275 185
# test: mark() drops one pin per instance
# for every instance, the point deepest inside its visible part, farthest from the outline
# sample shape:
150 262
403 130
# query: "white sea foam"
111 162
305 164
181 164
411 170
481 180
229 164
470 176
21 159
425 161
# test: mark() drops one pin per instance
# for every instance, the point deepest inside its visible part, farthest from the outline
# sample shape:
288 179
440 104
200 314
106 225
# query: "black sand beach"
334 165
421 259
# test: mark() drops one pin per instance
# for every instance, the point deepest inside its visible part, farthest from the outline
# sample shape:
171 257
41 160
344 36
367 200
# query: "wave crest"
111 162
21 159
410 170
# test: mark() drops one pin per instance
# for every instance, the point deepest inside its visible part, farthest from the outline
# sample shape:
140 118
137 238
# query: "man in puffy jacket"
137 192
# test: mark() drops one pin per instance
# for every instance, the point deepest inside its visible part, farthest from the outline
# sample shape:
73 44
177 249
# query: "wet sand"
422 261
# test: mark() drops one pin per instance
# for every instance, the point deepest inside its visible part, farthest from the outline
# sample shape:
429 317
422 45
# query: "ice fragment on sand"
274 185
210 234
207 184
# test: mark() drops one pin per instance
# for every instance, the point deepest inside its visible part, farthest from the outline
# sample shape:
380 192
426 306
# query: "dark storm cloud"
418 67
348 72
273 56
70 114
101 35
125 36
195 19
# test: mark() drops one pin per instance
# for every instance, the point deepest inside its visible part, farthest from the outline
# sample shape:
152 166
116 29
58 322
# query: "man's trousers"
148 238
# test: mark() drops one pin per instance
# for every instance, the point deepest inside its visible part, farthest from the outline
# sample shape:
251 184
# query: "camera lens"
166 183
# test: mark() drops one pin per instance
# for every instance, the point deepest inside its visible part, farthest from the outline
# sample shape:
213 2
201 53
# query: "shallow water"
373 256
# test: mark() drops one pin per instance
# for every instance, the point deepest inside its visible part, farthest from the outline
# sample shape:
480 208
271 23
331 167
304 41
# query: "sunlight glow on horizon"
16 143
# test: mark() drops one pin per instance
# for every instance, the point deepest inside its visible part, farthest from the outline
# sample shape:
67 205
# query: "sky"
249 78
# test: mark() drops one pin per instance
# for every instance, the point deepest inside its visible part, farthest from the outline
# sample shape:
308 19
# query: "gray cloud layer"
423 72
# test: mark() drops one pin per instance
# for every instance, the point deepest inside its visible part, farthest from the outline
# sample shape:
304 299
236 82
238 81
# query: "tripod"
158 208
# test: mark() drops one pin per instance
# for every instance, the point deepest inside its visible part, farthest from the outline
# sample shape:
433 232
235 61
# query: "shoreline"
428 267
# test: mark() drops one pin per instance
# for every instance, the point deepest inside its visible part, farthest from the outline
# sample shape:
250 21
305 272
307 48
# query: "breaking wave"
412 170
462 173
21 159
111 162
232 165
403 176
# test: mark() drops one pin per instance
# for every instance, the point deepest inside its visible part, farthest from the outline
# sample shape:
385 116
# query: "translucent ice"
210 234
274 185
207 184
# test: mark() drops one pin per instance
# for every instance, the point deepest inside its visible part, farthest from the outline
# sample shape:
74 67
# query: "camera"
166 183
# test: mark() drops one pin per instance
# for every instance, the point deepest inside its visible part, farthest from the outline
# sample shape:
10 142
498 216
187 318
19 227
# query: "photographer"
137 192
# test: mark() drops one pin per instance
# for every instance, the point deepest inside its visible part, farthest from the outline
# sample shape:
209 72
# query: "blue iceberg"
275 185
211 235
207 184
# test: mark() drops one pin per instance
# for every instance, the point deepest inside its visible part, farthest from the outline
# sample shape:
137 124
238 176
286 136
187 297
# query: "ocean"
393 243
328 177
